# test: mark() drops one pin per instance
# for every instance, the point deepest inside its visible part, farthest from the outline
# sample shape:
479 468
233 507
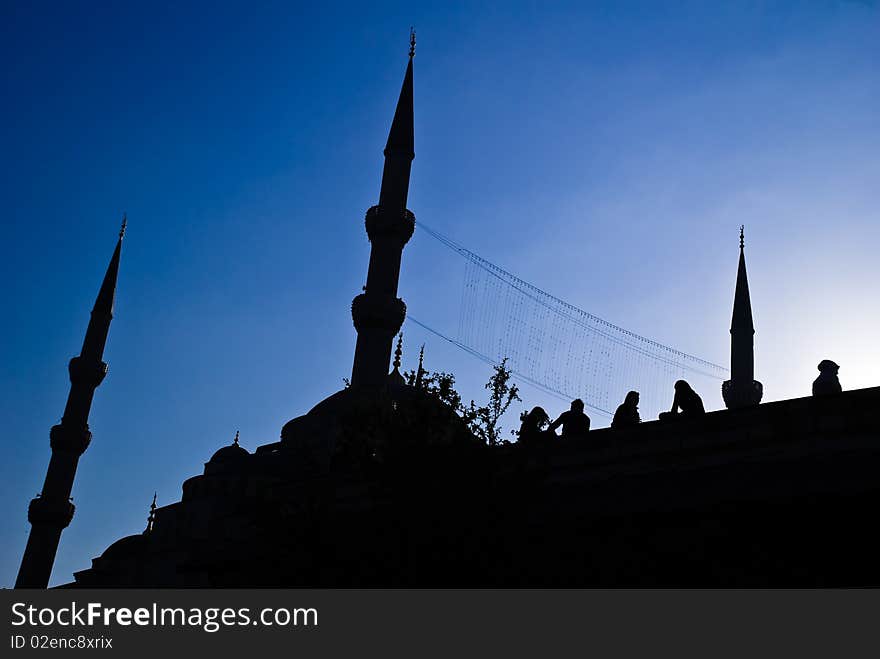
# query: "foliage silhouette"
484 421
438 384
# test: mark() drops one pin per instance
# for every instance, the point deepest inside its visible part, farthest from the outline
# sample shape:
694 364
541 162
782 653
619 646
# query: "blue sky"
607 152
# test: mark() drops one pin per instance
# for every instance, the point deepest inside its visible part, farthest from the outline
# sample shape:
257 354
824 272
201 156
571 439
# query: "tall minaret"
52 510
742 389
378 313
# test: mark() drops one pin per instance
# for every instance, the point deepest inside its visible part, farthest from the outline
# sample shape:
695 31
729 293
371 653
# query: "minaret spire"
400 147
742 389
378 313
420 372
51 512
151 518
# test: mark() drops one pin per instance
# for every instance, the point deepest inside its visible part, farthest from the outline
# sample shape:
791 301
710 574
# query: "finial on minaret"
742 236
235 441
421 370
395 376
412 42
152 516
124 224
398 352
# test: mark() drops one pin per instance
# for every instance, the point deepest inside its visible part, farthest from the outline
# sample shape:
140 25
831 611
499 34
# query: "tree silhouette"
439 384
483 420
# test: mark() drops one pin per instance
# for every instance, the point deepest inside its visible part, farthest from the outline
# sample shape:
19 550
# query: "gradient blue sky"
607 152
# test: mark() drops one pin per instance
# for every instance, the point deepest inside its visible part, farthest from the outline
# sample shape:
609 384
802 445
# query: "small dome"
124 547
232 452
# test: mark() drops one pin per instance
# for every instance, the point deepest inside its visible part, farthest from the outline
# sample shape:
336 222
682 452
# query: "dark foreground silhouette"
779 494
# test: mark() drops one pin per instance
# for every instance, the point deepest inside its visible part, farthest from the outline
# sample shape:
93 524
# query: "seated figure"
574 422
627 414
532 430
827 382
686 400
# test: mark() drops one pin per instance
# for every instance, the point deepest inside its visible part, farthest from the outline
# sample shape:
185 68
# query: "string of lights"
560 348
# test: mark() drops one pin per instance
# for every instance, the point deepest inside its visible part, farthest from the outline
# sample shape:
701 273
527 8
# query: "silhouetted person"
574 422
686 400
627 414
827 382
532 430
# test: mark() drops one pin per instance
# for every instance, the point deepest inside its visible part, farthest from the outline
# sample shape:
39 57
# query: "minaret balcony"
87 371
741 394
377 311
48 512
65 439
383 222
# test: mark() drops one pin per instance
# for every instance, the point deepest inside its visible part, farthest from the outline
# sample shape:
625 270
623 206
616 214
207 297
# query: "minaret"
52 510
742 389
378 313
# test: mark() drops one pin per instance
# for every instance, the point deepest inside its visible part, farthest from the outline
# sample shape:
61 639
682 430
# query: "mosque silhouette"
382 484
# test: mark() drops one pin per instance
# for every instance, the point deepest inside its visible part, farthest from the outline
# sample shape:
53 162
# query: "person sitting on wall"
627 414
687 400
574 422
531 431
827 382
